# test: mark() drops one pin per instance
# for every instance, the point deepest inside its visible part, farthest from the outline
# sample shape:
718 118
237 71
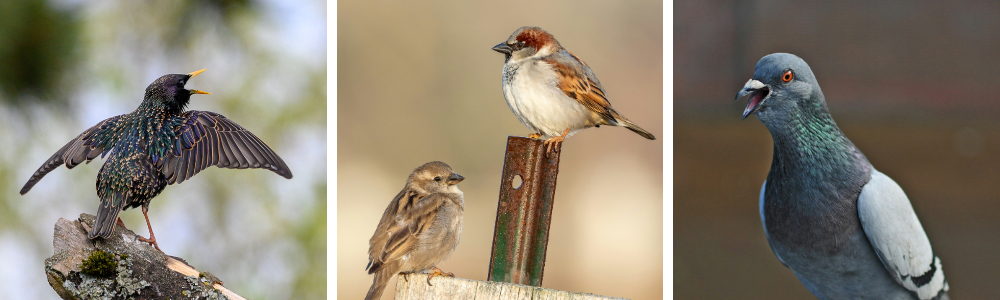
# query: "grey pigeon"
846 230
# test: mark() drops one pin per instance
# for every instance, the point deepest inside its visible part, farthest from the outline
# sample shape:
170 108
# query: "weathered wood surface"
142 272
415 287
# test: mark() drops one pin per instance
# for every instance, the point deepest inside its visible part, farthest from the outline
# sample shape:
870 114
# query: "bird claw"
554 144
436 273
151 241
535 135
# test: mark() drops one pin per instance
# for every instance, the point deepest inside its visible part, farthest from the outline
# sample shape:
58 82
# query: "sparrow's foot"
552 143
436 273
535 135
403 276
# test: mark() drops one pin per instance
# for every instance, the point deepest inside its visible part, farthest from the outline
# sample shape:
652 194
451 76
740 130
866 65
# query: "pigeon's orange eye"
788 76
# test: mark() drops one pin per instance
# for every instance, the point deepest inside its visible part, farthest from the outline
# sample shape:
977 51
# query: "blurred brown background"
417 82
913 84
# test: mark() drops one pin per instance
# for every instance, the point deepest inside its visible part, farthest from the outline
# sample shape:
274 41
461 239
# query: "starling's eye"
788 76
437 178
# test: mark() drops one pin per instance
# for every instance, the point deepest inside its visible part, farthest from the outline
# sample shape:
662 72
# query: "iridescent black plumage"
158 144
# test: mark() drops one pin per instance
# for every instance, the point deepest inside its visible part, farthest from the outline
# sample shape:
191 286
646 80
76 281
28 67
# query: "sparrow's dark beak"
502 48
193 74
755 92
455 179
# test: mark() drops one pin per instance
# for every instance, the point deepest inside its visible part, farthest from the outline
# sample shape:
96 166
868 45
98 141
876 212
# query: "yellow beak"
193 74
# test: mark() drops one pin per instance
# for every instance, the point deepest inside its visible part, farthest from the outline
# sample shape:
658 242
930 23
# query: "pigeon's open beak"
455 179
756 92
193 74
502 48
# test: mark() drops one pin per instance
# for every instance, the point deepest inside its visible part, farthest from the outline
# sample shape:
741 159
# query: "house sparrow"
420 228
552 91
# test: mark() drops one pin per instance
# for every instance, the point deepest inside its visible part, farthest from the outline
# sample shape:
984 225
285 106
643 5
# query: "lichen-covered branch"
122 267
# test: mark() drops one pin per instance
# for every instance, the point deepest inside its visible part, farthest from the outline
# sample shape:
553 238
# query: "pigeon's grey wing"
763 220
894 231
93 142
206 139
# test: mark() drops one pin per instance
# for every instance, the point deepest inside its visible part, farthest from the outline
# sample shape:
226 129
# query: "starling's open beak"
193 74
502 48
455 179
755 92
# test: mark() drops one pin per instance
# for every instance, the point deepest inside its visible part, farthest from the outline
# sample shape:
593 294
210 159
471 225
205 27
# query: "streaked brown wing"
577 82
85 147
209 139
411 223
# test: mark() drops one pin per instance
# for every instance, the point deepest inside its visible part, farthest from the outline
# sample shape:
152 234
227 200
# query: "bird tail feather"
107 215
622 121
378 284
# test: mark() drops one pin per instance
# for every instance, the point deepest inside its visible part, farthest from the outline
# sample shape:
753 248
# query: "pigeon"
845 229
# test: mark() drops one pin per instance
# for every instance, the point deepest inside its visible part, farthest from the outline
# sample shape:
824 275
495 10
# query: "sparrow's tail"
622 121
378 284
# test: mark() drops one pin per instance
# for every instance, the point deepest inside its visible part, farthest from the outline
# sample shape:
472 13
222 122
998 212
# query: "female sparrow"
552 91
420 228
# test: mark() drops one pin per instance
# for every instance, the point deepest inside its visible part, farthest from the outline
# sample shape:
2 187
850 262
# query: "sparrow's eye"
788 76
520 44
437 178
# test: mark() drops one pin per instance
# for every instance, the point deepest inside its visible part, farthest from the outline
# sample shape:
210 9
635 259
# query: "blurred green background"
912 83
66 65
417 82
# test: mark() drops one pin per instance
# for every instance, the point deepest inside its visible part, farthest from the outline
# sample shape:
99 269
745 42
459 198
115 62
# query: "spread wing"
93 142
578 82
894 231
206 139
404 233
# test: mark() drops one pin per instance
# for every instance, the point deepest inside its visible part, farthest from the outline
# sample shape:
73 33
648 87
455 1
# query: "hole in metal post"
516 182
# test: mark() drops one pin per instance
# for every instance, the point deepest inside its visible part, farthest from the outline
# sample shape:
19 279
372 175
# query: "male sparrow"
420 228
552 91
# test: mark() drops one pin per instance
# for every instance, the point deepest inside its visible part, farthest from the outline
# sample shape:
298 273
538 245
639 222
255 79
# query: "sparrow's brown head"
527 42
434 177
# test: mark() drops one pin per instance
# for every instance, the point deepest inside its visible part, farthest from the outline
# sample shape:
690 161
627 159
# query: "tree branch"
122 267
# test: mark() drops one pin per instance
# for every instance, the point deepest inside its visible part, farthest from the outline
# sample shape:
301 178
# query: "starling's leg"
556 140
121 223
535 135
436 273
152 238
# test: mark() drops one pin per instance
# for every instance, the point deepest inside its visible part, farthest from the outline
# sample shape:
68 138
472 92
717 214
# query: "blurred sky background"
68 64
417 82
912 83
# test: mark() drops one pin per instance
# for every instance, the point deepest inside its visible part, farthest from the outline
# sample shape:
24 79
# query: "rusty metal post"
524 212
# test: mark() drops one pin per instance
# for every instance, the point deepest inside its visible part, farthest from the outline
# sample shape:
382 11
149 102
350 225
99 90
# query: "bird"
845 229
158 144
419 229
552 91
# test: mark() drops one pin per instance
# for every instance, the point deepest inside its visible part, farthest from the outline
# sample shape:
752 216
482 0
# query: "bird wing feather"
763 220
577 81
404 233
899 240
204 139
93 142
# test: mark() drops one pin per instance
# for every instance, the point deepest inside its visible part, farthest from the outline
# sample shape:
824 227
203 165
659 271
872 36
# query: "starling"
158 144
